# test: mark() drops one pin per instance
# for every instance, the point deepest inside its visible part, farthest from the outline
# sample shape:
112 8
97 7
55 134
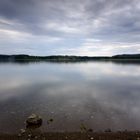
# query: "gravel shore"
75 136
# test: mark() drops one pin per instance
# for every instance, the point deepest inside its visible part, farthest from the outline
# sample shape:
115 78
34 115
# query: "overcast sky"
69 27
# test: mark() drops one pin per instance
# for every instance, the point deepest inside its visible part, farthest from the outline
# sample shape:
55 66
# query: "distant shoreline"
66 58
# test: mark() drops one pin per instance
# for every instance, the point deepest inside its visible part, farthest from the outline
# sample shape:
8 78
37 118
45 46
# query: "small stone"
29 135
51 120
22 131
92 138
34 120
19 135
90 130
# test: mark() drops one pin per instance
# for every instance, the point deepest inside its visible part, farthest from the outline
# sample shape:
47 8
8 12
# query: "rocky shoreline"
75 136
33 132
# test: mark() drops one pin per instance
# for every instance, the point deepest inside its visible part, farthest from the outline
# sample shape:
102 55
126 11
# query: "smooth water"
100 95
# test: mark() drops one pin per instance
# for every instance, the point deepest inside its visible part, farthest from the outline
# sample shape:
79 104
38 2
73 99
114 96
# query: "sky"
70 27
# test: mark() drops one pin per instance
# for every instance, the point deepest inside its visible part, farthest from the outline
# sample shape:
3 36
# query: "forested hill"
127 56
67 58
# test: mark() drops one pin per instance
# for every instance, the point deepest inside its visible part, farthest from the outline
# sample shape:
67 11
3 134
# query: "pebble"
19 135
22 131
29 135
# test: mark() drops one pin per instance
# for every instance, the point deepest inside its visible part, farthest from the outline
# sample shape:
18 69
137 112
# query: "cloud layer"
76 27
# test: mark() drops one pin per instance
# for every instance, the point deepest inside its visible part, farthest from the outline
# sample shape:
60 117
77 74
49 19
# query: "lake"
98 95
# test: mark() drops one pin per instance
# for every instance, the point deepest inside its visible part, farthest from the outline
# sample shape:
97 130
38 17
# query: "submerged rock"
34 120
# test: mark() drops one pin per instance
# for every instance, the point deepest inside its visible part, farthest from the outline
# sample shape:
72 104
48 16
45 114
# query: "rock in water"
34 120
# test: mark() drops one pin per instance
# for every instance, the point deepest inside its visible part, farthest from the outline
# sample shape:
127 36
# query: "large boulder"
34 120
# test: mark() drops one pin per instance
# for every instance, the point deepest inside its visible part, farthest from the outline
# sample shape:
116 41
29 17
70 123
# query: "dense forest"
22 57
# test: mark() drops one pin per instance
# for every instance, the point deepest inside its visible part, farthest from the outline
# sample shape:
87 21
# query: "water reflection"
99 95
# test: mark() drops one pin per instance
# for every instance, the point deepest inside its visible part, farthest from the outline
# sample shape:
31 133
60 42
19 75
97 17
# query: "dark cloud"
107 20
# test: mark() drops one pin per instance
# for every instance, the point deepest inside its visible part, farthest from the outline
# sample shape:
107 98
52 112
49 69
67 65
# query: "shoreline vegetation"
23 58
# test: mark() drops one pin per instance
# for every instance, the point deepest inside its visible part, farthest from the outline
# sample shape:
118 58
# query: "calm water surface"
99 95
